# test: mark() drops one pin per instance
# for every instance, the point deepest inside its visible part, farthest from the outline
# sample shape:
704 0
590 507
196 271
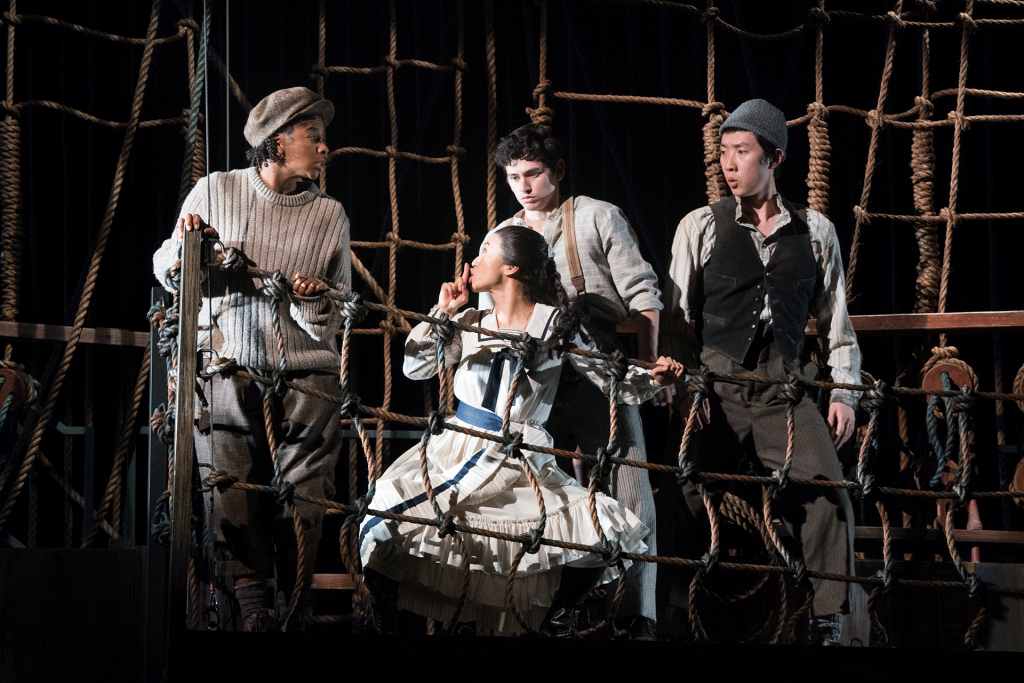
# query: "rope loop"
975 585
819 16
445 526
231 258
10 18
780 480
541 116
455 151
279 387
513 443
460 238
707 562
867 487
543 88
442 332
391 62
435 422
959 120
895 21
220 480
10 110
392 154
875 119
792 391
276 286
967 21
965 401
878 396
459 64
187 24
349 405
353 309
616 366
689 473
700 382
800 573
611 551
286 494
357 512
710 15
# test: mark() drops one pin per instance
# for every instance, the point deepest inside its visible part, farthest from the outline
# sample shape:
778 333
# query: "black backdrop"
646 159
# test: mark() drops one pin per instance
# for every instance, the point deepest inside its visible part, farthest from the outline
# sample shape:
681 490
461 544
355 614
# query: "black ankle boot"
383 599
560 621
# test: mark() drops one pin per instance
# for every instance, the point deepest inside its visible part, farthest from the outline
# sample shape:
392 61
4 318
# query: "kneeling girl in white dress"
410 566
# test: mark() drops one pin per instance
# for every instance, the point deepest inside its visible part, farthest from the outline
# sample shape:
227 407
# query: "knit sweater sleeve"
320 315
170 251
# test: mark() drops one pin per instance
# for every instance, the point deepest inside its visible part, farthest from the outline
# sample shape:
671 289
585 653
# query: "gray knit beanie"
761 117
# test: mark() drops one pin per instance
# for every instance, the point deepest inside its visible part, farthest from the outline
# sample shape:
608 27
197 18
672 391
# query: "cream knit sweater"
306 232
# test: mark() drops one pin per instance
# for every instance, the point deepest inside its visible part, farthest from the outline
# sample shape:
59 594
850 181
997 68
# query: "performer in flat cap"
276 214
745 274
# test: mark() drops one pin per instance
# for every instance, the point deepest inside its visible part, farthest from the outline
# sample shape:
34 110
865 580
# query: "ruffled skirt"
480 487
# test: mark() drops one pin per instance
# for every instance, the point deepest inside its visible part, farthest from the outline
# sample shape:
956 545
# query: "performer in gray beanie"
276 214
745 274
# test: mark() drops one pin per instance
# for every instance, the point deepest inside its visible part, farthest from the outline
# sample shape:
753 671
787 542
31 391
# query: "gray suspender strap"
572 252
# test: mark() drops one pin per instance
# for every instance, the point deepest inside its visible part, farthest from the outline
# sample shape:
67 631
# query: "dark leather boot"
560 621
383 599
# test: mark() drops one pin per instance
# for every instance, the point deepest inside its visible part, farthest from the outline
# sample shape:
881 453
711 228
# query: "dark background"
647 159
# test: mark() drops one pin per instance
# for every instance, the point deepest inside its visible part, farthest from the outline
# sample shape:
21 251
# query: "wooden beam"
938 536
917 323
104 336
332 582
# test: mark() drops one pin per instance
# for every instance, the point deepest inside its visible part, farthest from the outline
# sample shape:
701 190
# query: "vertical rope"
716 188
93 272
227 85
875 121
13 230
542 115
922 164
817 128
492 116
321 64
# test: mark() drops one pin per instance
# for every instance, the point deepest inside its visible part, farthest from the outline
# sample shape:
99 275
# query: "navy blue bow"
494 377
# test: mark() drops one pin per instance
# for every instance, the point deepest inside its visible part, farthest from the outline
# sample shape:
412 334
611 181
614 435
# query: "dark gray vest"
736 282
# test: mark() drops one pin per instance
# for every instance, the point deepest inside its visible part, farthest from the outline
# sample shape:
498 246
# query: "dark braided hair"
527 250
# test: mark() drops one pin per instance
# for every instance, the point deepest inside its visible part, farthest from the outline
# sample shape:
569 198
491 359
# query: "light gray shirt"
691 249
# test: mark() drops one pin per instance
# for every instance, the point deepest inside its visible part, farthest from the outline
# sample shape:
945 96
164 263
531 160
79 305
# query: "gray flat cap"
278 108
761 117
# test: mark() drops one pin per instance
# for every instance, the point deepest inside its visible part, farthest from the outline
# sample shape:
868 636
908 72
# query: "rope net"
950 407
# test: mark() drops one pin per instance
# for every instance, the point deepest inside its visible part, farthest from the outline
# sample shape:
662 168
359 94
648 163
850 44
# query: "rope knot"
279 387
276 286
780 480
543 88
524 348
888 580
442 332
460 238
459 64
611 551
220 480
878 396
224 366
818 110
232 259
187 24
895 21
541 116
532 539
392 154
349 405
689 473
712 108
867 486
286 494
861 215
156 315
968 22
800 573
959 120
357 511
792 390
317 70
391 62
875 119
710 15
165 429
513 442
435 422
925 107
700 383
603 468
965 401
616 366
950 216
445 526
819 16
455 151
352 309
975 585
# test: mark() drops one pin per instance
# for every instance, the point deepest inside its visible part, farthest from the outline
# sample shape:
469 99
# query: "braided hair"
527 250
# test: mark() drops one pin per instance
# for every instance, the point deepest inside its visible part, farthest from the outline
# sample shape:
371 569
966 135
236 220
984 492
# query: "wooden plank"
916 323
964 536
332 582
181 508
103 336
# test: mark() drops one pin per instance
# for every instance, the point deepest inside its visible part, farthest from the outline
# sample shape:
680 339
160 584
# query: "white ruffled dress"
479 486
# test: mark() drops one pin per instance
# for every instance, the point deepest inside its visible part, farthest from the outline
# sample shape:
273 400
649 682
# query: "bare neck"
279 179
762 208
537 220
512 309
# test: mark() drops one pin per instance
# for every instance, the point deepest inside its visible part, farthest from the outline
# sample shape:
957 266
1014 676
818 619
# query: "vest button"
759 286
754 326
750 338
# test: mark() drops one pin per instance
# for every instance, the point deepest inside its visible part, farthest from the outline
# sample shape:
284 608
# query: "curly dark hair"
529 143
268 150
527 250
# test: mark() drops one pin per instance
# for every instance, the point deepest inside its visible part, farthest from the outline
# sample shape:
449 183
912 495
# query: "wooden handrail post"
181 493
